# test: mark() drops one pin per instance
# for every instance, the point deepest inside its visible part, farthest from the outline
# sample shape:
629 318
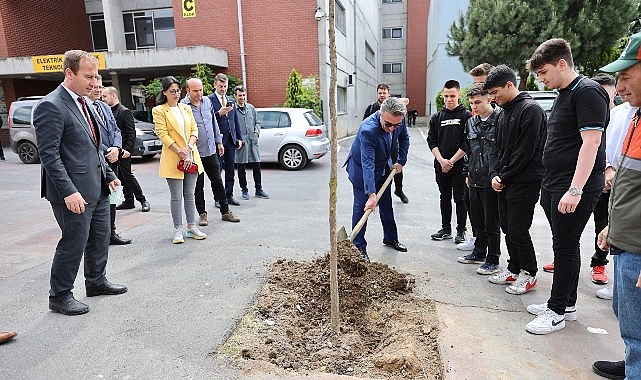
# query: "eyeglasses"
174 92
392 125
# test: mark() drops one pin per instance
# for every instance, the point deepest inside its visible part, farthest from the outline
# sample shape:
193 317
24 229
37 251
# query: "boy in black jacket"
445 139
516 170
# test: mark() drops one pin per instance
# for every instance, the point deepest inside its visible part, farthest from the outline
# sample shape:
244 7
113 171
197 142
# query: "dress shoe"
363 252
106 289
610 370
69 306
7 335
118 240
145 206
395 244
233 202
125 206
401 194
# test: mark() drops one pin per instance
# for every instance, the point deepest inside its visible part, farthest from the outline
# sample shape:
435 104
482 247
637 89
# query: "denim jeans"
566 234
452 184
484 214
626 303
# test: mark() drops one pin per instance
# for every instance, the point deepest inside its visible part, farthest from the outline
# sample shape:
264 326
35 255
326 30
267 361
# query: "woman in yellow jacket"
177 129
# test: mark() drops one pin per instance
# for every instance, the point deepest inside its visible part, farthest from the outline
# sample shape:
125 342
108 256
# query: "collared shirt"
208 131
74 96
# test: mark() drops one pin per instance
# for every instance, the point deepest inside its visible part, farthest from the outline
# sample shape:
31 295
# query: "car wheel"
28 153
292 157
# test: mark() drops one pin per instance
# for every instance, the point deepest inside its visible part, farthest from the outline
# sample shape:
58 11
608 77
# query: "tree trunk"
523 73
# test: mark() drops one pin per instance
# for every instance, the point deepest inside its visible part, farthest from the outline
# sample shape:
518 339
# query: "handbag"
193 169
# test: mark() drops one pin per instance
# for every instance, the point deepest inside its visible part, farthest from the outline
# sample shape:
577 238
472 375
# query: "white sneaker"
178 236
538 309
195 233
503 277
523 284
605 293
467 245
546 323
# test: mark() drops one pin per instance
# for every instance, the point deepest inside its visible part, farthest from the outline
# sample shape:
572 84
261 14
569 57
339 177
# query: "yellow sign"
53 63
189 8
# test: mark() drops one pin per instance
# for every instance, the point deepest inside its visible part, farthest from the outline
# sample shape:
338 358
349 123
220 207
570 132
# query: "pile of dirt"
385 331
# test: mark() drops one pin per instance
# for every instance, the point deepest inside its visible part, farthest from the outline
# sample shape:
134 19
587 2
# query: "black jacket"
521 132
376 106
125 121
447 133
479 143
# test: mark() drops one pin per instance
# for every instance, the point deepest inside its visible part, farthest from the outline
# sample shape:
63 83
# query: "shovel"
342 233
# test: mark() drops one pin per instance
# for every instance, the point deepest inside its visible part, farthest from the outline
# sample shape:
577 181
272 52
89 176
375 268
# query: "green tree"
464 100
531 85
152 90
206 75
294 90
310 97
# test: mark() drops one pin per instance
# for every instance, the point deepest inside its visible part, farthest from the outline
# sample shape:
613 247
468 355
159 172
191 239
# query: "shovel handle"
363 219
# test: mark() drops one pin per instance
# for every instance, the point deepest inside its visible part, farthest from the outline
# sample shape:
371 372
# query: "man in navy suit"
369 163
76 181
229 126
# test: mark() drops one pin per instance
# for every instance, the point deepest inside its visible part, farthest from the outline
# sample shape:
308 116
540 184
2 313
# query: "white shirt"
181 120
620 118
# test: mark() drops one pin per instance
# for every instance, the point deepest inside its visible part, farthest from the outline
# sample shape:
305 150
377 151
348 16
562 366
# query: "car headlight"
139 132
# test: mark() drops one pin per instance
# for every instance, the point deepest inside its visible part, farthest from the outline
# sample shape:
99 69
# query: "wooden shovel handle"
363 219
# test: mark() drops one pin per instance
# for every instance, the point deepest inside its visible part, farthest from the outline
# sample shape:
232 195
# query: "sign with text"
53 63
189 8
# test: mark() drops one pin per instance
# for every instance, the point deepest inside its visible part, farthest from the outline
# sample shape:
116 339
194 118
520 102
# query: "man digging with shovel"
369 163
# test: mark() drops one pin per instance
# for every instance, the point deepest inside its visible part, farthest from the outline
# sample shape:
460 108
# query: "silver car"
291 136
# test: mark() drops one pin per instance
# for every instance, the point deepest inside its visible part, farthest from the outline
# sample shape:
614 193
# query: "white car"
291 136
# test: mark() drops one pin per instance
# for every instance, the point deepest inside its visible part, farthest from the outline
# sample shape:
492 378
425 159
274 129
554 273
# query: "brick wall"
279 36
417 14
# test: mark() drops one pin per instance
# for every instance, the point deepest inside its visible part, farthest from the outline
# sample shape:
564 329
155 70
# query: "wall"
394 50
417 18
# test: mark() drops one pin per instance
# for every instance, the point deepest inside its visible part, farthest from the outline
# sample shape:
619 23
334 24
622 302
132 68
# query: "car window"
22 115
273 119
312 119
285 121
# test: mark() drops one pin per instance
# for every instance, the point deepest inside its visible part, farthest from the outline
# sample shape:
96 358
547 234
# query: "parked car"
22 134
291 136
545 99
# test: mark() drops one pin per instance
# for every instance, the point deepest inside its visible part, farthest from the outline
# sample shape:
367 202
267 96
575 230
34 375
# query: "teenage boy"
480 134
445 138
516 170
574 161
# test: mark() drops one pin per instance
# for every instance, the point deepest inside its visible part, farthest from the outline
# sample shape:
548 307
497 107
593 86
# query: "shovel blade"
342 234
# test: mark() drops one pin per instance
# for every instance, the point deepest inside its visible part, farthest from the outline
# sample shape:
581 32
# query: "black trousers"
242 175
516 211
484 214
398 178
211 168
226 162
452 184
566 234
600 222
112 208
130 185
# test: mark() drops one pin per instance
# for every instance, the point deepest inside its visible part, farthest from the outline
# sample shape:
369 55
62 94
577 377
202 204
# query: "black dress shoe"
610 370
233 202
69 306
125 206
118 240
395 244
401 194
363 252
106 289
145 206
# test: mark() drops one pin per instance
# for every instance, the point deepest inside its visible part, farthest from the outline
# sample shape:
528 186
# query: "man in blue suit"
369 163
225 112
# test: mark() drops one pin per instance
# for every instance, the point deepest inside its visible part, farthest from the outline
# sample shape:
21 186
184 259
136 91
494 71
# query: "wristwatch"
575 191
191 146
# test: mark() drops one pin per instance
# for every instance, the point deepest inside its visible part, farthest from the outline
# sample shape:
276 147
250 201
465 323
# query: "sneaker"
549 267
598 275
460 237
245 195
230 217
202 219
610 370
472 258
523 284
467 245
546 323
195 233
442 235
570 311
605 293
261 194
178 236
488 268
504 277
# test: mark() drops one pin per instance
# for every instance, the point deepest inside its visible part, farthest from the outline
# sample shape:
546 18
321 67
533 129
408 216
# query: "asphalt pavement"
184 300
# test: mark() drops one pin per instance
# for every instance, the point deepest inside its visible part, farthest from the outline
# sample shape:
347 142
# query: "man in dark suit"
230 130
111 147
369 163
76 181
125 122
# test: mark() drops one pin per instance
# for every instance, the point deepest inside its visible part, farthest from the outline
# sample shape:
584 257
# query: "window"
340 18
370 55
143 30
98 33
313 119
341 99
392 1
392 68
273 119
22 115
392 33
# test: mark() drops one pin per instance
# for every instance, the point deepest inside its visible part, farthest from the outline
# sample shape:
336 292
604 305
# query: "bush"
440 103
